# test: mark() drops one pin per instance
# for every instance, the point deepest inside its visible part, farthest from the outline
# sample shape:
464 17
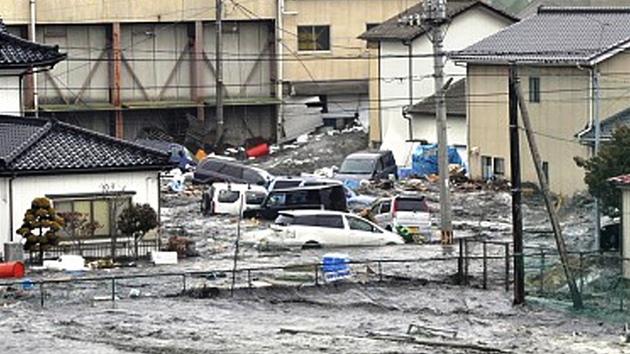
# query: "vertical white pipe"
32 38
279 68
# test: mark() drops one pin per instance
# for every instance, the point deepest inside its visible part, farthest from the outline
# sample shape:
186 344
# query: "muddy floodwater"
341 318
386 307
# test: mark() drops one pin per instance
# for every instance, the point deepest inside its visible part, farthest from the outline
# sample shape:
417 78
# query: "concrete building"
141 68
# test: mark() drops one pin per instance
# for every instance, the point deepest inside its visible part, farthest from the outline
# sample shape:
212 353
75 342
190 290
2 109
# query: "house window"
545 168
313 38
104 209
486 167
499 166
534 89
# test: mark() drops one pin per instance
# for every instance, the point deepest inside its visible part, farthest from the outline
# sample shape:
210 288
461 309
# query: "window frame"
534 89
127 197
312 44
498 166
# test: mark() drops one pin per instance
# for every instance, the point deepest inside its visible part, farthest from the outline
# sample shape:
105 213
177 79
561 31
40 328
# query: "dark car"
215 169
323 197
370 165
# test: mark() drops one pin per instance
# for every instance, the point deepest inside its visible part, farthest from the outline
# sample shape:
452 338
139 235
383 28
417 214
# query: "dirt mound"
320 151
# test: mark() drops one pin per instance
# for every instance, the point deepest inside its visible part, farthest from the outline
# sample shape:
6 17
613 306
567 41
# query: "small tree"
40 227
77 226
136 221
612 160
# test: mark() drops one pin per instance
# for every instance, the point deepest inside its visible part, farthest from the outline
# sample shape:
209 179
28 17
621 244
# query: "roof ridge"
107 137
29 142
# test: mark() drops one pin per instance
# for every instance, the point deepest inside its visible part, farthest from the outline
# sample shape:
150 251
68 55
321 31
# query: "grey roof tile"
455 101
555 35
16 52
40 146
607 126
392 30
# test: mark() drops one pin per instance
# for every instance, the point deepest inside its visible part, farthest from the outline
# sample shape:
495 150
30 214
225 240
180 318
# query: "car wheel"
311 245
390 244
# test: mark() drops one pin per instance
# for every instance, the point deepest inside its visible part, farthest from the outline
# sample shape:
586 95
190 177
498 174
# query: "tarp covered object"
424 160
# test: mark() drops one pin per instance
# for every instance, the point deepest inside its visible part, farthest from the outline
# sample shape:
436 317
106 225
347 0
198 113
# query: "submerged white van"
226 198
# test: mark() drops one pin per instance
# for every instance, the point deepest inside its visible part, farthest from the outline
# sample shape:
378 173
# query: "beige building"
141 67
573 72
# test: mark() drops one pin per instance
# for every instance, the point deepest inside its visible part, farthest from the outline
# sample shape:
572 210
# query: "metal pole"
279 69
485 265
435 17
596 211
544 187
507 267
219 74
238 238
515 168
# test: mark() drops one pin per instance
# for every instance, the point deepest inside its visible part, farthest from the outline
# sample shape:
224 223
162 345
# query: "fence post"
113 292
541 291
41 293
184 281
507 266
466 260
316 274
380 271
460 261
249 278
581 265
485 265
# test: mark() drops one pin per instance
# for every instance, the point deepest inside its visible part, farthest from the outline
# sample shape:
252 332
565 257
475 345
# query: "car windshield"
357 166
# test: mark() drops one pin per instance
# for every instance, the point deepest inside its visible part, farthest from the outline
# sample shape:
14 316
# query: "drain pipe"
32 37
595 79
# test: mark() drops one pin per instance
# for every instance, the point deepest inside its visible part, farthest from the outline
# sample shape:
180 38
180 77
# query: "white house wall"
463 31
25 189
5 225
10 96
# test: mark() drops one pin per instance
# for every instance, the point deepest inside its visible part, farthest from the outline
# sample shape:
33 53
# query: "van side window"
252 197
386 207
277 199
334 221
226 196
305 220
359 224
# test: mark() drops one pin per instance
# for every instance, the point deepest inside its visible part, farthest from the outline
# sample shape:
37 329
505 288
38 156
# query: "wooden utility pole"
544 186
515 168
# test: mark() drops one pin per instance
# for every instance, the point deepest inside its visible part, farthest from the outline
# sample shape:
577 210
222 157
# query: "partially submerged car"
410 212
215 169
323 197
368 165
232 198
321 228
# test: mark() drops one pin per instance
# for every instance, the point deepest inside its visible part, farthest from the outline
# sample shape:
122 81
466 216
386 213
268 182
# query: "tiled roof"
607 126
555 35
391 29
455 101
40 146
16 52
